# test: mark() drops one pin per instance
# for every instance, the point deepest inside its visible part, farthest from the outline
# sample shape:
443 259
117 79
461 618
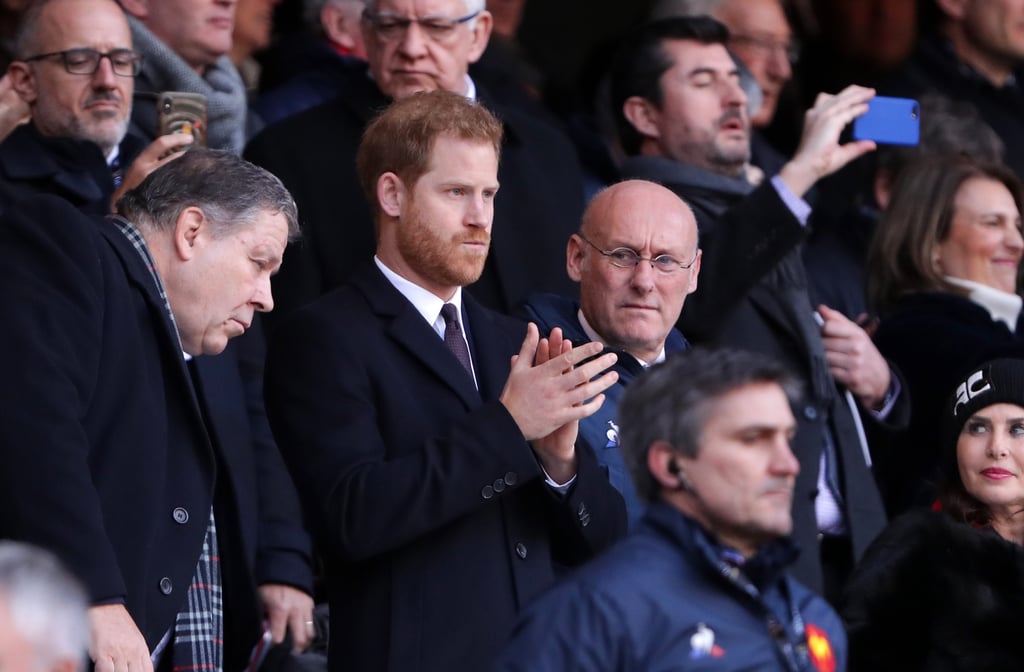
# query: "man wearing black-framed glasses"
636 260
75 68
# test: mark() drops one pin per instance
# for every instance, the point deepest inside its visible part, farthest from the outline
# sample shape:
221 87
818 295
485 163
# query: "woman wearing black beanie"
944 589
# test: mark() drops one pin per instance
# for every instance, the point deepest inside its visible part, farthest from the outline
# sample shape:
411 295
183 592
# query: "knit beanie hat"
1000 381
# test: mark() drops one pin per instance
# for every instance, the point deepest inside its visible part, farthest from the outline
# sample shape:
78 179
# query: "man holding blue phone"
688 128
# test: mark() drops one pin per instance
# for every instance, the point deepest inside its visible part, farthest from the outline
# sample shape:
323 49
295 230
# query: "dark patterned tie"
453 335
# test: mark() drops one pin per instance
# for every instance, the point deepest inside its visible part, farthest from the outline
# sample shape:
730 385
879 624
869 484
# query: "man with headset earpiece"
706 437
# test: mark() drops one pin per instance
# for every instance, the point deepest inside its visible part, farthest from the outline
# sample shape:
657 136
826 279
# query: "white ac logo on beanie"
975 385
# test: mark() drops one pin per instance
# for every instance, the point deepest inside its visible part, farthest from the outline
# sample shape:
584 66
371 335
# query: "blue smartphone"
889 121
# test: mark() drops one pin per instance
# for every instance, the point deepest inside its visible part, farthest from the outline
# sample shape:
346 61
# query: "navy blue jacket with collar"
661 600
600 430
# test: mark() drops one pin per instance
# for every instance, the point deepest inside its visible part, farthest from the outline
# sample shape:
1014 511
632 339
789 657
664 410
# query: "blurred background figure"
185 44
971 50
859 40
944 275
43 623
254 25
309 67
943 590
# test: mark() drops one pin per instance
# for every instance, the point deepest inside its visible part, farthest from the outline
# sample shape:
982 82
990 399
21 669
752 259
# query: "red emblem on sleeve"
820 649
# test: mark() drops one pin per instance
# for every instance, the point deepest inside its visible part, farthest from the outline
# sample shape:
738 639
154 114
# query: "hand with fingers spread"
548 391
116 645
820 153
853 358
157 153
287 609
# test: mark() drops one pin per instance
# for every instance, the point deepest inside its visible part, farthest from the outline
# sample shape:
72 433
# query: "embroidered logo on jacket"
702 643
820 649
612 435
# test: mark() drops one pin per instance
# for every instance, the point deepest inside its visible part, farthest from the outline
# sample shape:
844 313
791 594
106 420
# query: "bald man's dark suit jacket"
426 498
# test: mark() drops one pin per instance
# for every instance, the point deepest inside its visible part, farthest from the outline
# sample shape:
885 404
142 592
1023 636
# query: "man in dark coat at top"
312 152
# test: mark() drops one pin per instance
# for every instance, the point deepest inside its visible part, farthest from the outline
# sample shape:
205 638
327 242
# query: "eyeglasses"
624 257
124 62
392 27
770 46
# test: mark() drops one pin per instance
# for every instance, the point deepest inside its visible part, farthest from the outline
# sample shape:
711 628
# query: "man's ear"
694 272
391 194
574 257
137 8
23 81
481 35
338 27
188 231
663 463
643 115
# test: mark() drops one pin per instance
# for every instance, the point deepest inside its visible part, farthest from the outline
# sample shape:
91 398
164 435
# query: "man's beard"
102 128
438 259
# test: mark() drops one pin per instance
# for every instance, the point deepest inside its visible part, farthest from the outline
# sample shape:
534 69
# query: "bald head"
635 308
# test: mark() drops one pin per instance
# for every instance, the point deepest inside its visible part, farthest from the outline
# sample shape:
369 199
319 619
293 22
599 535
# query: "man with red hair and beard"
435 446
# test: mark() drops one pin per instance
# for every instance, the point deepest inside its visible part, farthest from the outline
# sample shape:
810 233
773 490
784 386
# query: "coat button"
521 550
583 514
499 485
166 587
487 492
810 412
511 479
180 515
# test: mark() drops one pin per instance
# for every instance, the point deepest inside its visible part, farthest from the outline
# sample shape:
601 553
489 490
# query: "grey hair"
472 6
663 9
229 190
47 605
672 402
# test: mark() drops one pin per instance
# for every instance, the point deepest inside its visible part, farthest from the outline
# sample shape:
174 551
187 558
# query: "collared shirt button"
521 550
511 479
180 515
166 587
810 412
487 492
499 485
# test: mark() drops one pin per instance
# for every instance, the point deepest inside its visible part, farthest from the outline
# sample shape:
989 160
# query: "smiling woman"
944 273
943 590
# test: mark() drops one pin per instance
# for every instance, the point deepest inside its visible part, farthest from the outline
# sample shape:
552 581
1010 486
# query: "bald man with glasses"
636 260
414 46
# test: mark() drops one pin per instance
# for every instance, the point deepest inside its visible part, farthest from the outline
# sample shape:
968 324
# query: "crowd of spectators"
670 196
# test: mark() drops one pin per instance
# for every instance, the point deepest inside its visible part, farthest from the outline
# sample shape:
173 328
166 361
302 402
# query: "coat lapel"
404 324
140 277
491 347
